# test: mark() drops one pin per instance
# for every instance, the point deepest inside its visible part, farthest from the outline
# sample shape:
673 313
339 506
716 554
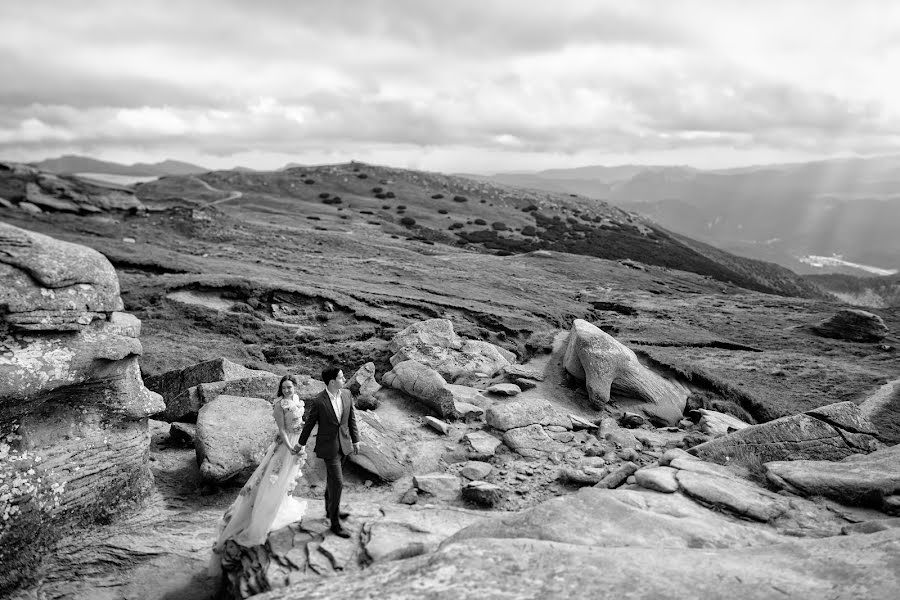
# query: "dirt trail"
232 195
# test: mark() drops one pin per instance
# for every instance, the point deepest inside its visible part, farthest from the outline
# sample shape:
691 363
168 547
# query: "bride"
265 502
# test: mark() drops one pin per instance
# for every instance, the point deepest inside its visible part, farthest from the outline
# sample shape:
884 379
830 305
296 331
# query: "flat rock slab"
518 371
504 389
841 567
865 479
658 479
622 518
404 533
830 432
854 325
522 413
733 495
532 441
440 485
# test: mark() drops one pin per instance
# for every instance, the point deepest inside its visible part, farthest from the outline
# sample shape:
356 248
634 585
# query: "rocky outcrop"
232 436
184 391
854 325
716 423
488 567
434 343
424 384
37 192
605 364
73 408
862 479
831 432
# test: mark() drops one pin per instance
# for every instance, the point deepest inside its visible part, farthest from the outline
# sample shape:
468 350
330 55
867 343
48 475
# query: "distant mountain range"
69 164
847 208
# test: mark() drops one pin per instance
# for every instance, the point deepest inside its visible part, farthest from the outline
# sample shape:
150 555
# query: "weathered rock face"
233 434
830 432
184 391
604 363
435 344
866 479
853 325
73 409
381 453
37 192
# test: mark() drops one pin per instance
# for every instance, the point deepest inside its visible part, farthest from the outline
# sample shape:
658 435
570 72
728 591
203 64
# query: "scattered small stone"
618 476
482 493
476 470
481 445
438 425
504 389
129 240
632 420
411 496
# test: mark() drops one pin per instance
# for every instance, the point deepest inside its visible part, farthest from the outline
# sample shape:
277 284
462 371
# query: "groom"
333 410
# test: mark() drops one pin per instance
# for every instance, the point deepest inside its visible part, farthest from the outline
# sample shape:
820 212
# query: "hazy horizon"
451 87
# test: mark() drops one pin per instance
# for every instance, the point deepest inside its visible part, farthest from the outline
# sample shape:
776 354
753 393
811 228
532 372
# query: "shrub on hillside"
437 196
324 195
377 190
499 226
390 195
460 199
362 176
401 207
381 196
407 221
443 211
456 225
529 230
334 200
480 222
385 206
530 208
309 181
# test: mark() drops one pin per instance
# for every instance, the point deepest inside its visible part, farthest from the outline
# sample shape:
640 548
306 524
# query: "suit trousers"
334 486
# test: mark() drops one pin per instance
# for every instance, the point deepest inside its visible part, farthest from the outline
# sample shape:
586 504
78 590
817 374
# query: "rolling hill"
778 213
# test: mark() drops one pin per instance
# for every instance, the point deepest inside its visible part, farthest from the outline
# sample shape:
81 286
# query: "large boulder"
74 437
854 325
233 434
424 384
830 432
605 365
381 452
363 381
865 479
435 344
183 396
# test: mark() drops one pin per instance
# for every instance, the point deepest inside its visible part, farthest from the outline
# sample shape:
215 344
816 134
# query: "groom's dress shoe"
340 532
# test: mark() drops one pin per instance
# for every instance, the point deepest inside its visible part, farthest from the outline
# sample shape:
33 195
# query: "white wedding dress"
265 502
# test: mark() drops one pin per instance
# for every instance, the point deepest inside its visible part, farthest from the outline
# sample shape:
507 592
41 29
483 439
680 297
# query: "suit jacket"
333 436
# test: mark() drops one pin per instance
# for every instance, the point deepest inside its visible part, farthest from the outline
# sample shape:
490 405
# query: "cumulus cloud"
567 78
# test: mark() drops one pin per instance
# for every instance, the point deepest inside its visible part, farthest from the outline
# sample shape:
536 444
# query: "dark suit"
334 442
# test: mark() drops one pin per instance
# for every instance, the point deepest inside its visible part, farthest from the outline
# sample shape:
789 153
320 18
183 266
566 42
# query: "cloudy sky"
461 85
